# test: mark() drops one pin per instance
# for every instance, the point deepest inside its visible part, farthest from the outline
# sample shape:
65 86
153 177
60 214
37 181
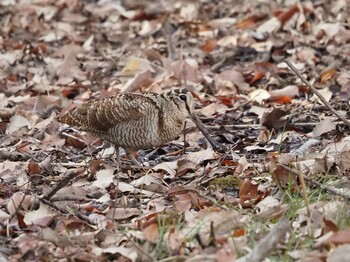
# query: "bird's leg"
132 157
117 153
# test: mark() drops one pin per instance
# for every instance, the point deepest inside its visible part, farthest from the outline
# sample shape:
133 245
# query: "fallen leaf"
290 91
271 25
104 178
19 201
209 45
123 213
259 95
286 16
169 167
136 65
337 238
17 122
339 254
232 79
140 80
151 232
248 193
42 216
200 156
324 126
250 21
327 74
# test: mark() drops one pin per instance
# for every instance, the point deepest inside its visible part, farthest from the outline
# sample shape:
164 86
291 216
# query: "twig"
71 164
19 204
268 243
70 174
49 203
315 183
69 198
64 211
256 126
314 90
66 135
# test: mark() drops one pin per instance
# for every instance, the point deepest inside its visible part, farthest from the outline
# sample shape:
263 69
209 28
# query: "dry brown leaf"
250 22
123 213
273 119
259 95
226 255
324 126
173 240
271 25
140 80
17 122
42 216
339 254
248 193
286 16
200 156
214 108
185 71
19 201
233 80
290 91
4 216
330 29
135 66
327 74
337 238
209 45
151 232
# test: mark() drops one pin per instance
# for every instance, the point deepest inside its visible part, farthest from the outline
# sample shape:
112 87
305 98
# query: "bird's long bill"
200 126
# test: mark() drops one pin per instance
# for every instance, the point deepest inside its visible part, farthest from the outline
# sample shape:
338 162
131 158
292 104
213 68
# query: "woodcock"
136 121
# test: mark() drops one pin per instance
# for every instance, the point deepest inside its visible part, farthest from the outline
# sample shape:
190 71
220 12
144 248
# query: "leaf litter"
61 195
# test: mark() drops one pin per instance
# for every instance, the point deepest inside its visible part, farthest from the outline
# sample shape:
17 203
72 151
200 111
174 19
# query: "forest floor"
279 191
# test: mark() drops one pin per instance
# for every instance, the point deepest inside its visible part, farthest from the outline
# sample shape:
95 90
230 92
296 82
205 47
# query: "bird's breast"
148 133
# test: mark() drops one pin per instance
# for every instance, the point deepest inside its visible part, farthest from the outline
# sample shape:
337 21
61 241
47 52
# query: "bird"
137 121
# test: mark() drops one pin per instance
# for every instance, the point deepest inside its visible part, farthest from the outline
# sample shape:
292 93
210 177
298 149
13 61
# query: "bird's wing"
100 115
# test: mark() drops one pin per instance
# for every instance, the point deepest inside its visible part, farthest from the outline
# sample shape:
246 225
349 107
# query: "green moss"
226 182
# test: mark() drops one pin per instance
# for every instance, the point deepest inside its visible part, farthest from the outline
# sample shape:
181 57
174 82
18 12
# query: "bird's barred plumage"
136 120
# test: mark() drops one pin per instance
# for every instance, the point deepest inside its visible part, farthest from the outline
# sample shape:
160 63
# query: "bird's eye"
182 97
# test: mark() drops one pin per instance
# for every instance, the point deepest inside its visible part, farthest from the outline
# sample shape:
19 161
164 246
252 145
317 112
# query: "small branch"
64 211
72 164
268 243
20 203
70 174
66 135
314 90
256 126
315 183
70 198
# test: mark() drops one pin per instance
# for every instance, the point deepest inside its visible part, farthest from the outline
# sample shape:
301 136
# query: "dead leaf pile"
286 155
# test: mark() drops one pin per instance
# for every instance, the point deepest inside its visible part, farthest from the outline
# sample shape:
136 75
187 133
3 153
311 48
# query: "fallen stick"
314 90
315 183
268 243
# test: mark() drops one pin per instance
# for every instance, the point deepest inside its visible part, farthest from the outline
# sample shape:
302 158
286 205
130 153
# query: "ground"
272 84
